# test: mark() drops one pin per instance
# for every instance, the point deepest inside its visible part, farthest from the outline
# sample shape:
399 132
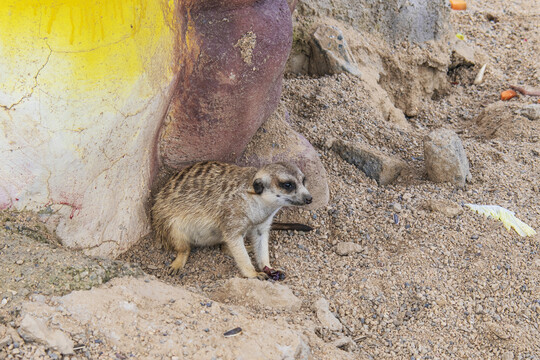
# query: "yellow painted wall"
96 43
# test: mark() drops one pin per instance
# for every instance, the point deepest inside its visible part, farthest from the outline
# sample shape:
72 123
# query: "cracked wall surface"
83 88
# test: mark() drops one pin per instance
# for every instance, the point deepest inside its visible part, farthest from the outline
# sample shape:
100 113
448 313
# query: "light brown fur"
213 203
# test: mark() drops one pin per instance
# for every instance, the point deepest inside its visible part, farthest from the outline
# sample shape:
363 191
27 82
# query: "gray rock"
348 248
373 163
35 330
325 316
258 294
445 157
446 207
531 112
331 54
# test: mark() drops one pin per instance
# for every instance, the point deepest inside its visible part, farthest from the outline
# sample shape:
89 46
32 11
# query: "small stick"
531 92
291 226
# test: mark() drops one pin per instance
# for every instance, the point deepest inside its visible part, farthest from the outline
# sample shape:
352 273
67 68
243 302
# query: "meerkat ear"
258 186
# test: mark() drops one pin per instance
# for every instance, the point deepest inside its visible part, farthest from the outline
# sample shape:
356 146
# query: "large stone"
372 162
81 101
34 329
414 21
330 53
231 82
256 293
445 157
404 74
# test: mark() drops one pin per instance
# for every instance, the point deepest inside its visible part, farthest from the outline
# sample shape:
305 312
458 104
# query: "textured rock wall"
397 20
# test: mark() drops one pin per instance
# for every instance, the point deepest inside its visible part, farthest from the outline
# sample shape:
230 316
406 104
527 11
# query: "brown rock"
446 207
348 248
373 163
445 157
231 80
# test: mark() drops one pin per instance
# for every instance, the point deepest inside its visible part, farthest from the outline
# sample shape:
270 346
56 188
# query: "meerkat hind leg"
182 247
178 263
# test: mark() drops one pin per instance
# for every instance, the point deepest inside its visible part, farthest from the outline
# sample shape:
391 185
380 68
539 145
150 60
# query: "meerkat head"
281 184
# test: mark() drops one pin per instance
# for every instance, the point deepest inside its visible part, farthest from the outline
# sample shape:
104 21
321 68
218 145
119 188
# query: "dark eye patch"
287 186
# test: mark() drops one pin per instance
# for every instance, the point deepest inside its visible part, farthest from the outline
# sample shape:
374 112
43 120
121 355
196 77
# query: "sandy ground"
427 286
430 286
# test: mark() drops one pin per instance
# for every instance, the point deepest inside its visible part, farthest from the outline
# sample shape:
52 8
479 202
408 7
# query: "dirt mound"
502 120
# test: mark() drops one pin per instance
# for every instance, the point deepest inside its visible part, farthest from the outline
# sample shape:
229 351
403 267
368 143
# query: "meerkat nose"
308 199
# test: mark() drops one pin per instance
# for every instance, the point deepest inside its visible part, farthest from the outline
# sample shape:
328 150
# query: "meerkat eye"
288 185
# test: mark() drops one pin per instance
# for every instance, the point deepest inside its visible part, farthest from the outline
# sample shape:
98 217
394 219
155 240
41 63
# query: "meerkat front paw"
274 274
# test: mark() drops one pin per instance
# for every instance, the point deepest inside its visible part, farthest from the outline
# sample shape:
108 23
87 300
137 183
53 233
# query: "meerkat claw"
173 271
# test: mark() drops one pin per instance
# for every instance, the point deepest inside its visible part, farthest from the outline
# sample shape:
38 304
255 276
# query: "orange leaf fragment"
508 94
458 4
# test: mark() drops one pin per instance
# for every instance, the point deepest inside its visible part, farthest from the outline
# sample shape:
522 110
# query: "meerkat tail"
291 226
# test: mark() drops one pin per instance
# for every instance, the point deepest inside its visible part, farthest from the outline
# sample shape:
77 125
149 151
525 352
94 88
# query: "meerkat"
212 203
